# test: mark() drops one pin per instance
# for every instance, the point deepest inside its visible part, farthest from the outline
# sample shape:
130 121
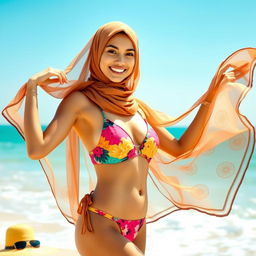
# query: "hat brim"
41 251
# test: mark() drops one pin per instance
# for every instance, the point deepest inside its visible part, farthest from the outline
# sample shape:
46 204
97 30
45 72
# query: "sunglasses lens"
20 245
35 243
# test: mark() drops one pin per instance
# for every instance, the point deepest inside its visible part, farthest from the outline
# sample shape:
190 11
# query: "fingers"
65 78
237 71
61 76
230 76
59 73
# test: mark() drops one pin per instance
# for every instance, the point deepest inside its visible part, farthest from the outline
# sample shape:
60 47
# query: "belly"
123 192
125 205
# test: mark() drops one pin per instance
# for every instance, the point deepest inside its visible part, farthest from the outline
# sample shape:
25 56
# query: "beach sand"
45 232
67 251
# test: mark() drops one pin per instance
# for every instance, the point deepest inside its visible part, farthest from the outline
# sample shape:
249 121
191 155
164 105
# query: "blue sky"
181 44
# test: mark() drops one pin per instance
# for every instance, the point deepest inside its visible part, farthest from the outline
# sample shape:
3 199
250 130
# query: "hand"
228 77
42 77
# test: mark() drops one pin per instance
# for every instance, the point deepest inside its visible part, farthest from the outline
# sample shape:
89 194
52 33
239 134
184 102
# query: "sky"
181 44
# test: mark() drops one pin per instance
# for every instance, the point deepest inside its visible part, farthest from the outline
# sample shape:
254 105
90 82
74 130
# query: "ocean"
25 197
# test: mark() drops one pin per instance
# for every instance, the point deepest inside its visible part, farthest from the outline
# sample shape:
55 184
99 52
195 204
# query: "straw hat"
23 232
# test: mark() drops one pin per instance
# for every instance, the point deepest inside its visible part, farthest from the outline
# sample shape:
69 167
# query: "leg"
105 240
140 240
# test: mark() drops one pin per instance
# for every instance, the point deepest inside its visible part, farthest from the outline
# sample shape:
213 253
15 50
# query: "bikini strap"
104 115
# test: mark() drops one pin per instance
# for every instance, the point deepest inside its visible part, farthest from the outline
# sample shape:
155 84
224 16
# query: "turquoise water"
13 154
25 197
9 133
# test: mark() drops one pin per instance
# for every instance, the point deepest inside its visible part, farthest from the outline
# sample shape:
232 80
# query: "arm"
40 143
168 142
191 136
193 133
174 147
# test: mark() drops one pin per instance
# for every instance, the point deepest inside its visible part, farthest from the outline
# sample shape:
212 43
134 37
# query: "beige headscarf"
206 178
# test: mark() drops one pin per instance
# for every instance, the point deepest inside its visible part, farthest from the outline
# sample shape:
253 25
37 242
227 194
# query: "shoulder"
82 106
76 101
77 97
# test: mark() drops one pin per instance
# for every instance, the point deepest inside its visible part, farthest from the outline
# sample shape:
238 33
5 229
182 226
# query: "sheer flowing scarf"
206 178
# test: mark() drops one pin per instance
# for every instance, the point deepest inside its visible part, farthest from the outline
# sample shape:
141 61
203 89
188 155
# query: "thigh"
105 240
140 240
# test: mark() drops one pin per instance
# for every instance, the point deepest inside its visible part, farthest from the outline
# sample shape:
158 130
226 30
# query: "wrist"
31 88
206 103
32 82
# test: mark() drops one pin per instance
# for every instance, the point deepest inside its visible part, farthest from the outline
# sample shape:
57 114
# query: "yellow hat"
23 232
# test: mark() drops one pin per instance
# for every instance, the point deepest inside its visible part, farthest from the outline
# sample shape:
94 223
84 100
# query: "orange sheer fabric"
206 178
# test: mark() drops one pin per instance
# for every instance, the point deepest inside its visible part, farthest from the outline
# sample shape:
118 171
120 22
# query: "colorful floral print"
98 151
115 145
121 150
149 148
128 228
132 153
103 143
113 135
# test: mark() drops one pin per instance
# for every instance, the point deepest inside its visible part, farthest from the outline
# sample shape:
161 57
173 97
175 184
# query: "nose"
120 58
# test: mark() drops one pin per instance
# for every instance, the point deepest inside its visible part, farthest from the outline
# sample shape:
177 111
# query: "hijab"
206 178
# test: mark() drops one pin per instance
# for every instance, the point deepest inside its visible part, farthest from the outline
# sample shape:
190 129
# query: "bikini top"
116 145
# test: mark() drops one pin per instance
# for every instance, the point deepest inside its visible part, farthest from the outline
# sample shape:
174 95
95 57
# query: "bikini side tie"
83 210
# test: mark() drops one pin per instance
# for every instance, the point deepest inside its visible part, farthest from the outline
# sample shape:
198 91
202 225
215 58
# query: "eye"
111 51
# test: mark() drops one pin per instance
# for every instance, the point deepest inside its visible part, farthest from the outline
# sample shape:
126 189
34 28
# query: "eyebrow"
111 45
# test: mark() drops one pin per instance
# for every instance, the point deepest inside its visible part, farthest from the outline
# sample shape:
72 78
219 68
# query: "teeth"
118 70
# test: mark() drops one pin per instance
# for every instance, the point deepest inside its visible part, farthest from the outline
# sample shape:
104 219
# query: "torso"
119 186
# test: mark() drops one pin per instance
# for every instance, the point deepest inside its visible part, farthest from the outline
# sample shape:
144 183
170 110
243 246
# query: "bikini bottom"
128 228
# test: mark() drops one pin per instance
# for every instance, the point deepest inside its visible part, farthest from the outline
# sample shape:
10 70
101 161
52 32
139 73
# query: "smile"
117 70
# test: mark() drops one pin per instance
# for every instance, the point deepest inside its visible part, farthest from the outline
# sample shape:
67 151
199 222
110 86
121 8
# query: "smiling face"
118 58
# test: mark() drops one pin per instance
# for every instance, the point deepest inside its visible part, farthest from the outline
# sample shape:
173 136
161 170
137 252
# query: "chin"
116 80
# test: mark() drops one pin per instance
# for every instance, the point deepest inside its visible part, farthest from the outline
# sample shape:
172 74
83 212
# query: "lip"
117 68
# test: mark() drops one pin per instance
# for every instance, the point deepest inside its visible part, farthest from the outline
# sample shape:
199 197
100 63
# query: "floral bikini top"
116 145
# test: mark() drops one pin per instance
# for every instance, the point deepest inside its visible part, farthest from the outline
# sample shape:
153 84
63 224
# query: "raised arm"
193 133
189 139
40 143
174 147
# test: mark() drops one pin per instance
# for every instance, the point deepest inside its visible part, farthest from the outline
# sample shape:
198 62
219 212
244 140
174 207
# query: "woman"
114 127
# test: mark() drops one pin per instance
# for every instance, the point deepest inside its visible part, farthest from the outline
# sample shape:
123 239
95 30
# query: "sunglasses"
23 244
